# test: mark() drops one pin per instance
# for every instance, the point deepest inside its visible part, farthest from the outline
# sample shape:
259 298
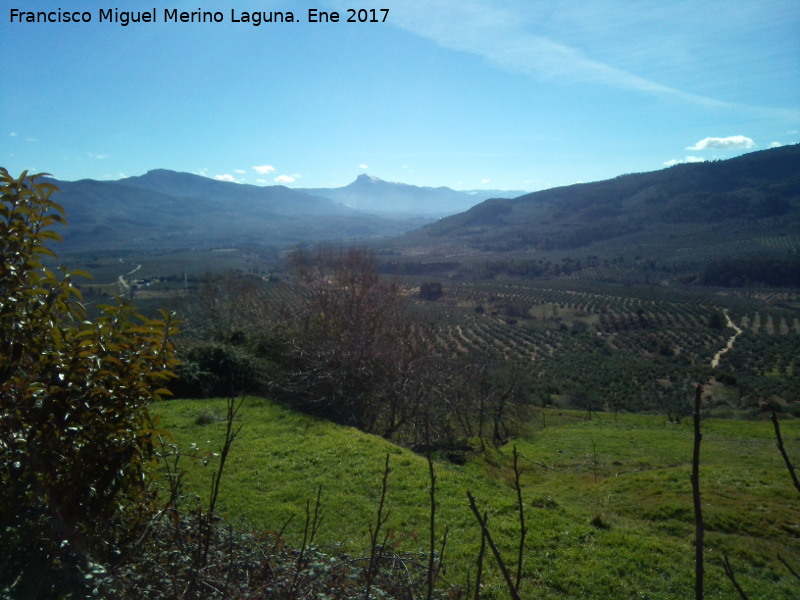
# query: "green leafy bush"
212 369
76 438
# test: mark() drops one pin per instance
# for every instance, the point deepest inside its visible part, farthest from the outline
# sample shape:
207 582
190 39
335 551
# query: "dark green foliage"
430 290
710 206
213 369
738 272
716 320
76 439
407 267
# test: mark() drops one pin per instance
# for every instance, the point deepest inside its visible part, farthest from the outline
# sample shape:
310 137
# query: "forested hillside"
683 218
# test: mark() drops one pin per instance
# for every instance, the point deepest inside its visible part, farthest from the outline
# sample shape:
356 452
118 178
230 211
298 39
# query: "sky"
470 94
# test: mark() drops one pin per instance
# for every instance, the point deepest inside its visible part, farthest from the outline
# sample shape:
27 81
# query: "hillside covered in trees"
683 219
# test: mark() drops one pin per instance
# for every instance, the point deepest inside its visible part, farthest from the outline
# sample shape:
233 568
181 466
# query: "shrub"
216 369
76 438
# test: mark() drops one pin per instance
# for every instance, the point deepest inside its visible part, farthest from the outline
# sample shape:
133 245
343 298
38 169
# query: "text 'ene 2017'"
361 15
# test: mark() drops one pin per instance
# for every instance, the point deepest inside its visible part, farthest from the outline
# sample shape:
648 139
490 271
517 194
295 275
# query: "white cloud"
686 159
733 142
284 179
239 171
512 36
363 166
263 169
486 180
775 145
226 177
500 35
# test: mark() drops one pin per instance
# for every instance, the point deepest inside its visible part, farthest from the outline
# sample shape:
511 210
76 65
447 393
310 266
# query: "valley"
572 325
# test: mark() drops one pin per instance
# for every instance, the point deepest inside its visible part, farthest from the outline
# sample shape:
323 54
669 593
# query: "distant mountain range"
374 195
165 209
745 205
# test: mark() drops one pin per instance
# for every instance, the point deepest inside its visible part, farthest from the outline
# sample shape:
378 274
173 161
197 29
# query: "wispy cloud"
733 142
363 166
510 38
226 177
284 179
263 169
686 159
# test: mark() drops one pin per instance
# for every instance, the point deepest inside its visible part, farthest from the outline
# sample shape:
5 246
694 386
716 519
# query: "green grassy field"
608 501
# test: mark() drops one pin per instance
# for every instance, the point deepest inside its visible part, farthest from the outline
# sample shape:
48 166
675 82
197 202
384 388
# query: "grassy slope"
633 473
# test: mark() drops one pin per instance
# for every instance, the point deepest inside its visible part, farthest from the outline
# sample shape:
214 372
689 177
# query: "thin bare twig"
523 530
784 454
493 547
432 529
312 524
481 553
788 566
544 466
699 526
376 549
730 575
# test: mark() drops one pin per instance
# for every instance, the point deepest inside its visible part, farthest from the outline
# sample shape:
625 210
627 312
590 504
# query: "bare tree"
699 525
360 357
225 306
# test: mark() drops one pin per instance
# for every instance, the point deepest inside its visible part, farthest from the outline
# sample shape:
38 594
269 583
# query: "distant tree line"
705 207
416 267
755 271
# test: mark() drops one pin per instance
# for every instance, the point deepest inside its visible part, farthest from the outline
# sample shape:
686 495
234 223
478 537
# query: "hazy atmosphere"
476 94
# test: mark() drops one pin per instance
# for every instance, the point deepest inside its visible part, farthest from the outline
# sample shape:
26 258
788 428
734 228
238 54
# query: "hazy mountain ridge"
374 195
164 209
715 209
276 199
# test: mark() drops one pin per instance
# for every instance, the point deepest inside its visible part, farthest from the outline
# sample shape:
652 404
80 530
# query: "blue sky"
507 94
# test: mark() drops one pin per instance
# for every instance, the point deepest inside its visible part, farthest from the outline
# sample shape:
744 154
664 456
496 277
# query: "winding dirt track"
125 287
715 360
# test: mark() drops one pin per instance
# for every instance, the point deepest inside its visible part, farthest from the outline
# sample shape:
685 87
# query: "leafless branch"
784 454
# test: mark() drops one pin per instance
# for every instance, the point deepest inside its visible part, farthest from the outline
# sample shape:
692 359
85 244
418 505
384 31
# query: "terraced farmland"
589 343
607 340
